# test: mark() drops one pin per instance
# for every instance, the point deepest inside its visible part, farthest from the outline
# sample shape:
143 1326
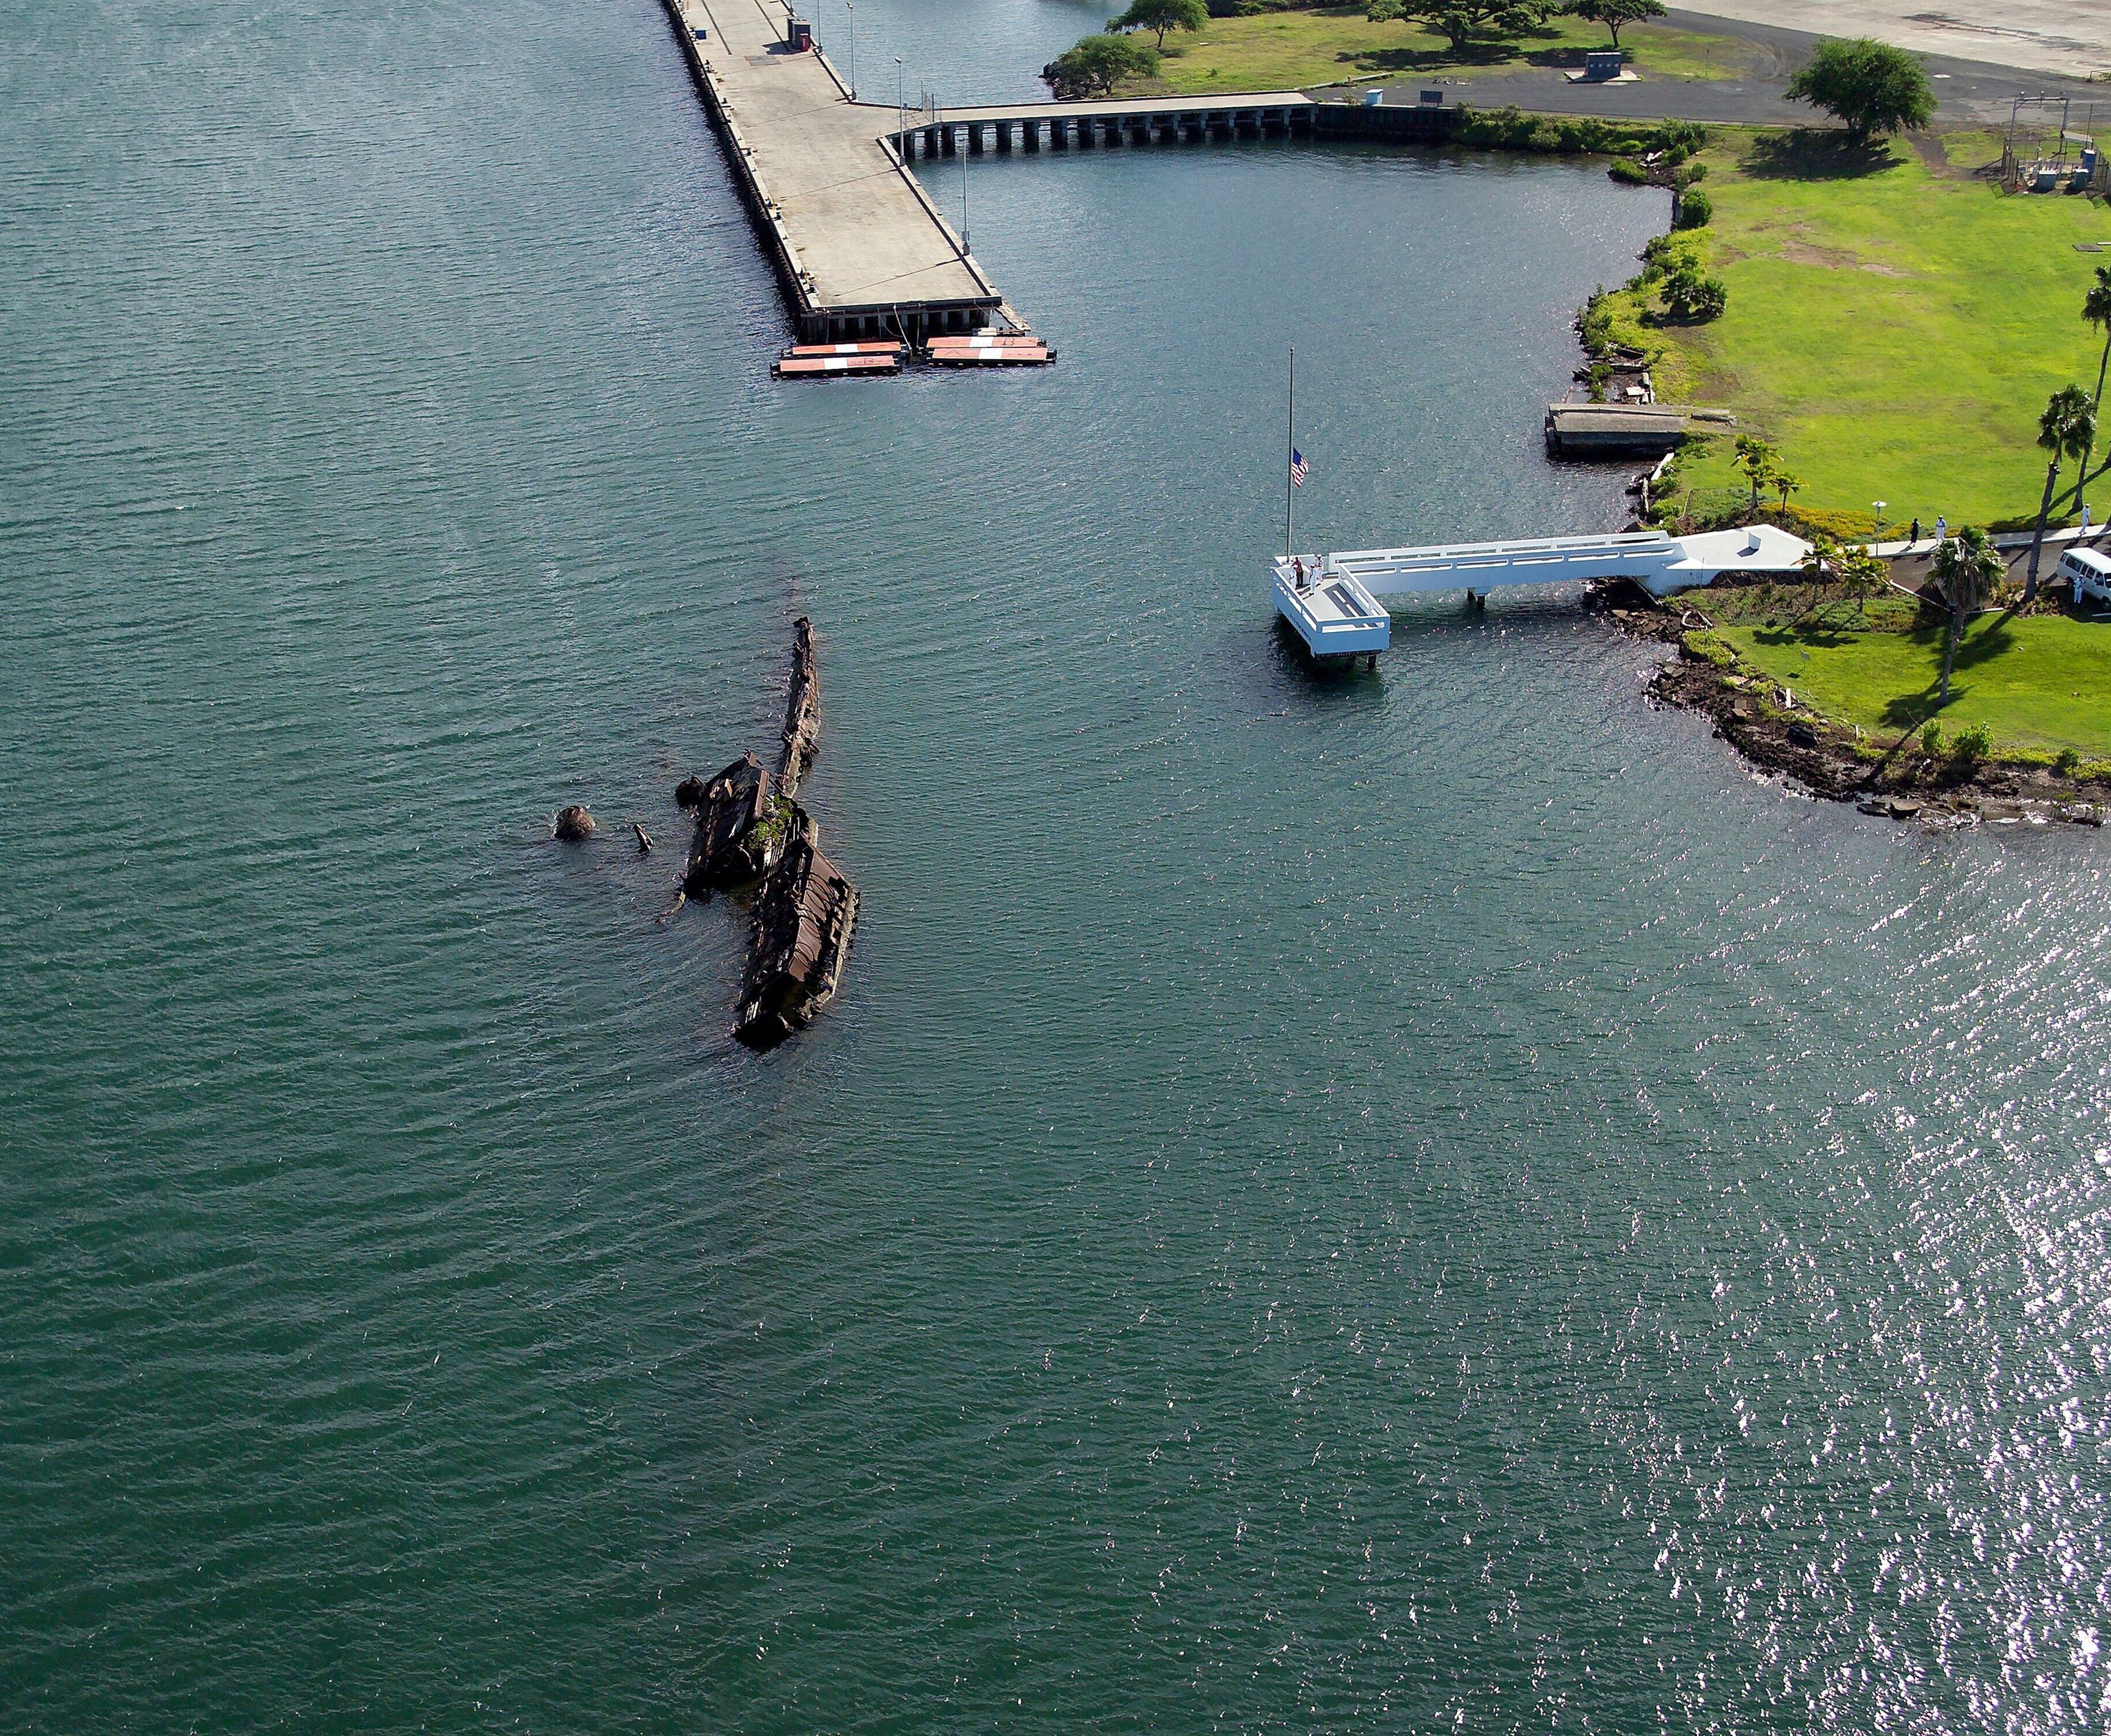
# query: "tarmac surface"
1968 92
2070 38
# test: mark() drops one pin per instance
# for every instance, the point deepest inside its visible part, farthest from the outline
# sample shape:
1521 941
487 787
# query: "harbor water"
1425 1199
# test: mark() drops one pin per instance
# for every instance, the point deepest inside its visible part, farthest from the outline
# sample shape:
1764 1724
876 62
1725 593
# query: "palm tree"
2096 311
2068 429
1965 570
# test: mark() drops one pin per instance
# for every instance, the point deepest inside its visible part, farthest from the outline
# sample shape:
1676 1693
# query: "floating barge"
990 350
836 361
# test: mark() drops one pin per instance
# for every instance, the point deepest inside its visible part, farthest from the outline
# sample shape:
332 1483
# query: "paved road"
1968 92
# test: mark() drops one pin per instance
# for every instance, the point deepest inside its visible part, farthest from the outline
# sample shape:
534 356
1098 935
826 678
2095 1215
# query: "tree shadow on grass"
1425 61
1816 154
1909 711
1807 635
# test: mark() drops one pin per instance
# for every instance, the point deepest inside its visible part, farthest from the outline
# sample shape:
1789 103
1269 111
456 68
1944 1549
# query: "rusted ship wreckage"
748 827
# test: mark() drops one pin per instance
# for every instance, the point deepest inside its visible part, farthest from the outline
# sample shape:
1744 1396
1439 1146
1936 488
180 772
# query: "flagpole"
1290 462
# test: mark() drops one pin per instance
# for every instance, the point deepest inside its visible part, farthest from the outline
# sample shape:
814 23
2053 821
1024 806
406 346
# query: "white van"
2088 572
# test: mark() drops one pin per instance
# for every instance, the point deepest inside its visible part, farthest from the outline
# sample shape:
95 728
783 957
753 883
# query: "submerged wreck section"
803 710
805 916
740 829
748 828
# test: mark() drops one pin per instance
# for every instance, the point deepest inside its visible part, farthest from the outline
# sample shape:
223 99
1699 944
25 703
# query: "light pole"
848 6
901 107
1879 505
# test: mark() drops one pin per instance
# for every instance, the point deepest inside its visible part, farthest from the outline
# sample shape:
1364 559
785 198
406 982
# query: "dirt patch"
1933 154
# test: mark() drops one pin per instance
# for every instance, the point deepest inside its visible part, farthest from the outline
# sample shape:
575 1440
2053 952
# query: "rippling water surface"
1427 1200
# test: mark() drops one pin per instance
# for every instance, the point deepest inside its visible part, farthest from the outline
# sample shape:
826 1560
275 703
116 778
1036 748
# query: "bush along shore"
1922 772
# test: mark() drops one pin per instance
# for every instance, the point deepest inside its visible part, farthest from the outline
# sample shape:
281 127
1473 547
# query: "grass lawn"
1295 51
2041 682
1895 327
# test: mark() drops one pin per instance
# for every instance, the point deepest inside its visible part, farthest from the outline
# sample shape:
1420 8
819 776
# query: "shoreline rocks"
1769 730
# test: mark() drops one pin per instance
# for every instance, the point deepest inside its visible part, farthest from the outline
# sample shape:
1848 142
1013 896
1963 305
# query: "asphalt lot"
1970 93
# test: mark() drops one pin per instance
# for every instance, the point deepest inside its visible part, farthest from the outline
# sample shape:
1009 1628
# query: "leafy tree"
1460 20
1695 211
1614 13
2068 429
1873 87
1757 459
1965 570
1690 296
1862 574
1161 15
1096 64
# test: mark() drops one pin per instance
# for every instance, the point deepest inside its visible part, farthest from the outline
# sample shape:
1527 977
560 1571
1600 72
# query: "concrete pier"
861 252
859 249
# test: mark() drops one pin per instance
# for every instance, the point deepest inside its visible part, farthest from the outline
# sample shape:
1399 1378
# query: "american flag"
1299 469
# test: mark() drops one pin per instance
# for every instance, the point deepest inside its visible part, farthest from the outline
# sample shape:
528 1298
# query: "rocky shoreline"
1894 781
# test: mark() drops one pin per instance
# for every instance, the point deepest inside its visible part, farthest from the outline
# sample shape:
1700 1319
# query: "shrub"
1695 211
1709 647
1629 173
1096 64
1690 296
1931 740
2067 762
1663 254
1970 747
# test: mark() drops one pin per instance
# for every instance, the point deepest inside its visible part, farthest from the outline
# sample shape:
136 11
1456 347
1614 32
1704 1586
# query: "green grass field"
2041 682
1302 50
1895 327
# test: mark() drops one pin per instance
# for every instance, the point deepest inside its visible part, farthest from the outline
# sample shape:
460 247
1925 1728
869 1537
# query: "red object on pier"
825 367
